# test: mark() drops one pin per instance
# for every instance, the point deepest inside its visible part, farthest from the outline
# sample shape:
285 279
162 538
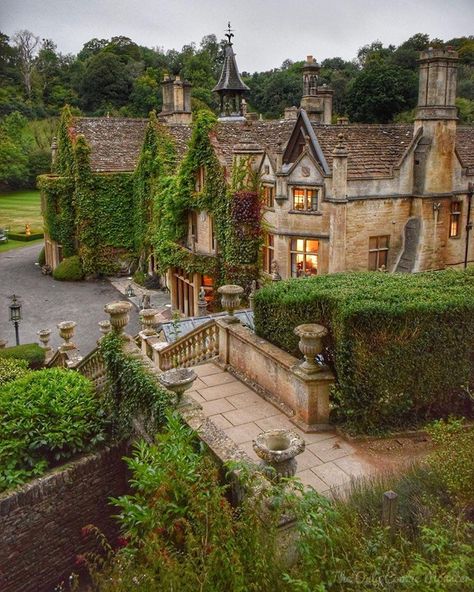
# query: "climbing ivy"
133 214
236 215
58 210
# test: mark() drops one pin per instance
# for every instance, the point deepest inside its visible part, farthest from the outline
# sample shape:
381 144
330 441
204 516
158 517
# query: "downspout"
470 190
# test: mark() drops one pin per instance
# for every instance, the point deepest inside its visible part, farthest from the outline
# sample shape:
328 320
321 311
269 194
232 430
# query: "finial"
229 33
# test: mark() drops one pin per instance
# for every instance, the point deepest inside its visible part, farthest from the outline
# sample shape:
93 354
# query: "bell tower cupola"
230 88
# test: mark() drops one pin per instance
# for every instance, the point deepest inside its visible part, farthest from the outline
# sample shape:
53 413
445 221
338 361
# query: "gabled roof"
230 78
373 150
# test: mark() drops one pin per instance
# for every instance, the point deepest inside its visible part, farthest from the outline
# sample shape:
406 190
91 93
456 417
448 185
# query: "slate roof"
116 141
465 146
373 149
230 78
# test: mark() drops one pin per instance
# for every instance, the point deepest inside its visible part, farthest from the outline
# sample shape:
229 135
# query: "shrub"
454 457
69 270
46 417
139 277
42 257
31 352
11 369
180 533
400 344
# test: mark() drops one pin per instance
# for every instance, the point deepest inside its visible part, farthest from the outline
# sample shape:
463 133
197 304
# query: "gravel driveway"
46 302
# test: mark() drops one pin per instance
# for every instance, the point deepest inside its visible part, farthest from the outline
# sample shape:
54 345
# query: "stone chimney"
176 100
339 169
436 114
317 100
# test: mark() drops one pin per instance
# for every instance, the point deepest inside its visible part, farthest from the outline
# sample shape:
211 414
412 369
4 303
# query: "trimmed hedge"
69 270
401 345
31 352
21 236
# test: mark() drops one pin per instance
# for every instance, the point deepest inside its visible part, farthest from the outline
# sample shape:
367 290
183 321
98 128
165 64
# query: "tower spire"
230 87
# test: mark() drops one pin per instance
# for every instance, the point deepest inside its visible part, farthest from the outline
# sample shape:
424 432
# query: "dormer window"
305 199
200 179
269 195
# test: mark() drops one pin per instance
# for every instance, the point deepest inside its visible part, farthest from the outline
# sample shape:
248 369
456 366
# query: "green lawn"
14 244
20 208
16 210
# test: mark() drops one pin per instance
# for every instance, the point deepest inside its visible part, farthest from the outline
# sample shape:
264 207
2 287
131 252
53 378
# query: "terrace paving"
329 462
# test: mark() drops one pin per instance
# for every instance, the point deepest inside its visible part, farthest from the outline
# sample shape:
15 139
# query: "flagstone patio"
328 461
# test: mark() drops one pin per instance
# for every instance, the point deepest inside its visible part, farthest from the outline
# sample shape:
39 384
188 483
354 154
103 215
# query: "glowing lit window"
378 252
305 199
455 219
304 257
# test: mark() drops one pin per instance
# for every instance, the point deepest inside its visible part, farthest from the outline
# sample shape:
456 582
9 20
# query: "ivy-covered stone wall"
102 217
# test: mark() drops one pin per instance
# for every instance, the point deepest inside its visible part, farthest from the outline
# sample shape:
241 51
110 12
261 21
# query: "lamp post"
15 316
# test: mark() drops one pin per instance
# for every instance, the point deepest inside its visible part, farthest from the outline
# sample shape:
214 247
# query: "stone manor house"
337 196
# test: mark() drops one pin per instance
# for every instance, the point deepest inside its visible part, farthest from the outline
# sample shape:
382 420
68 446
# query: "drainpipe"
470 190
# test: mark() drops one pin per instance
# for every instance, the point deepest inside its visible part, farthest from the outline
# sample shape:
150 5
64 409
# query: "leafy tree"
15 144
26 44
380 91
105 81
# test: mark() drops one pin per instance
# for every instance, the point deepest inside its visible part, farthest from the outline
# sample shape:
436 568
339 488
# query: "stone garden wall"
41 522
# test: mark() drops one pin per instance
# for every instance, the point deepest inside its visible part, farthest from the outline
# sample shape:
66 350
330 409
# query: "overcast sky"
266 31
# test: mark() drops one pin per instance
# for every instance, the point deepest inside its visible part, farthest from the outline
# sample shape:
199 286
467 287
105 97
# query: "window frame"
268 190
268 252
193 225
378 250
200 179
307 200
455 217
294 252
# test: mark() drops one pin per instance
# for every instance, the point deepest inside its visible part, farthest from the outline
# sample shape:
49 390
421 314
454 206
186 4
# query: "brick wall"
40 523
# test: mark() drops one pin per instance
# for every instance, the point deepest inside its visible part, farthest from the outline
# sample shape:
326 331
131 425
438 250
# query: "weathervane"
229 33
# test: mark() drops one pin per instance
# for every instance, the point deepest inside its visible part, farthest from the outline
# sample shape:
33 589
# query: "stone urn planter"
44 336
230 300
105 327
311 344
147 320
66 332
278 449
178 380
119 315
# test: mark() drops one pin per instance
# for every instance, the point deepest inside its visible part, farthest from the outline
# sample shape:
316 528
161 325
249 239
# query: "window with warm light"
378 252
200 179
455 219
304 257
269 195
305 199
268 251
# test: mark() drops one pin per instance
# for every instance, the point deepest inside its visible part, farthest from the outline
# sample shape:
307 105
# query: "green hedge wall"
402 346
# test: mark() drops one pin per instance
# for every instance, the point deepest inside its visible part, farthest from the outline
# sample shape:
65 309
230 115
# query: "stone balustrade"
195 347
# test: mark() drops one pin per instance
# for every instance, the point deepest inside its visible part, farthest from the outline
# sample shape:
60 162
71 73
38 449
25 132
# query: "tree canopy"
119 77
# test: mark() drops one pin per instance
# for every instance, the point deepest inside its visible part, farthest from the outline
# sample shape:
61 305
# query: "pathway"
46 302
328 460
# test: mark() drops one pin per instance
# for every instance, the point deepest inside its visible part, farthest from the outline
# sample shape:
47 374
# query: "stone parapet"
278 374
